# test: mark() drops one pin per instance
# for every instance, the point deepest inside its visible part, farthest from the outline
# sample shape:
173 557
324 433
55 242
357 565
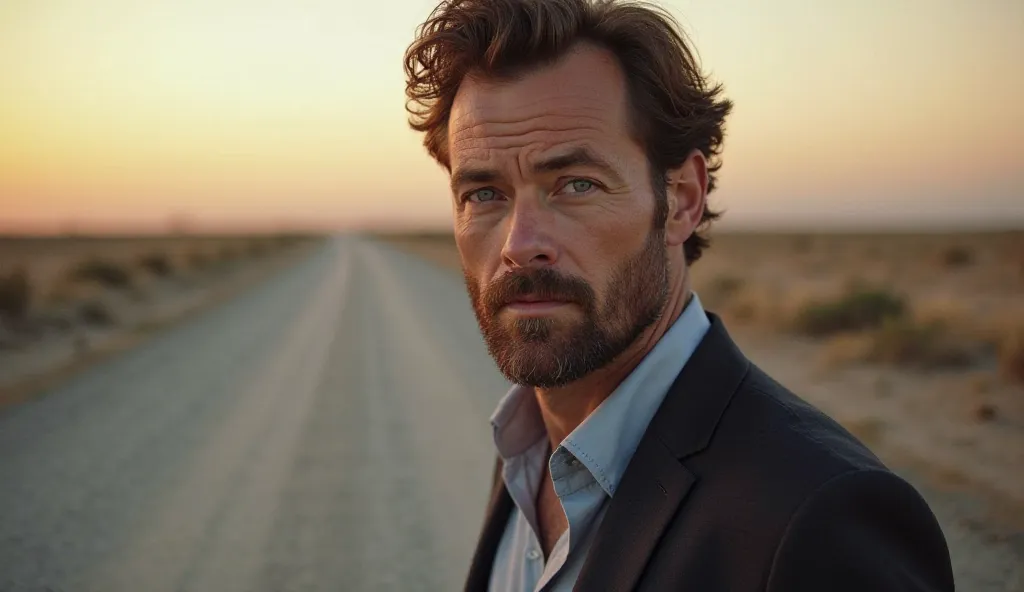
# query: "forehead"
579 100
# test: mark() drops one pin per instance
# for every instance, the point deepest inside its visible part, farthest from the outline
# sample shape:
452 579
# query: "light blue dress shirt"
587 466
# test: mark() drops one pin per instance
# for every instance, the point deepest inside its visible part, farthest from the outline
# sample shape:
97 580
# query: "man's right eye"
482 195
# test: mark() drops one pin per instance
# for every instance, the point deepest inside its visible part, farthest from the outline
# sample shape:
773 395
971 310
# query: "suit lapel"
648 496
656 482
498 511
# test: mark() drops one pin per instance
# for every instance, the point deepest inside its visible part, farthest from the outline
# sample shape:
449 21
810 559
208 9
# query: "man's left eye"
579 186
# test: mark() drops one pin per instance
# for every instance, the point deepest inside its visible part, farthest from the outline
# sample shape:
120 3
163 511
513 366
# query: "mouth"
531 304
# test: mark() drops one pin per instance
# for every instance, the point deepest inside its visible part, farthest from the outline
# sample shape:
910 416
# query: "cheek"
480 247
475 253
606 244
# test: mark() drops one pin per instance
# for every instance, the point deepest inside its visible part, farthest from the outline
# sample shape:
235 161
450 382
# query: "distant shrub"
103 272
1011 354
15 294
158 264
957 256
927 346
859 309
95 313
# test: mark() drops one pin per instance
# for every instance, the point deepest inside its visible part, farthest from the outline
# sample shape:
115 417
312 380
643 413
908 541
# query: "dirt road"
325 431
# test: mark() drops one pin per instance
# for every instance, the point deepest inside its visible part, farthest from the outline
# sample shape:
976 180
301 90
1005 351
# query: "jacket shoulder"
769 453
776 428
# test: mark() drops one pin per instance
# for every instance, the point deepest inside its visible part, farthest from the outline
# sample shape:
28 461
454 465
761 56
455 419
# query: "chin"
534 372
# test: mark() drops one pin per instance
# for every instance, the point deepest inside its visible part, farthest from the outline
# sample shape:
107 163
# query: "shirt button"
533 554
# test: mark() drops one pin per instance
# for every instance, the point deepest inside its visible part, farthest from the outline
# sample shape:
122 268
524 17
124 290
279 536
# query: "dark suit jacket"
738 485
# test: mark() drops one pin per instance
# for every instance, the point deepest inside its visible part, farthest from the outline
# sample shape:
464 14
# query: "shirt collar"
605 442
517 422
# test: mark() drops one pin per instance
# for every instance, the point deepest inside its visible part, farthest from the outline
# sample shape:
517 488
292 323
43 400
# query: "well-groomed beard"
552 352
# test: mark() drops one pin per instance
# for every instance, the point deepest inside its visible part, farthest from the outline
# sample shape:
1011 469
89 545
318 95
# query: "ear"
687 191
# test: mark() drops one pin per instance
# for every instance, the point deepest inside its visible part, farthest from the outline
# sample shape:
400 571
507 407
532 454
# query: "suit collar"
656 482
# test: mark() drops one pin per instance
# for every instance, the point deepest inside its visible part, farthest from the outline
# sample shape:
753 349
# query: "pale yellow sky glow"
124 114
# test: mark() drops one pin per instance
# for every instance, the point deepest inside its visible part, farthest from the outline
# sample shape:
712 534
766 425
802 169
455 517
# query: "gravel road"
325 431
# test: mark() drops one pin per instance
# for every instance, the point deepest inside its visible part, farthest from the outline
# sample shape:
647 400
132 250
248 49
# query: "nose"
528 242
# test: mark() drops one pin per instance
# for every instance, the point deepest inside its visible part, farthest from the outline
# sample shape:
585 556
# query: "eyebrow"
580 156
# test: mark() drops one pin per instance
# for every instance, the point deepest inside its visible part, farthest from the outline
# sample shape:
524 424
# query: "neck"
564 408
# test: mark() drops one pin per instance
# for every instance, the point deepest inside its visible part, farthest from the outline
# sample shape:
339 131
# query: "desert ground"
66 302
324 425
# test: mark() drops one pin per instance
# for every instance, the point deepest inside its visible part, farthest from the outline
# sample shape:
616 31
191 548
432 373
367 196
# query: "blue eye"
482 195
580 185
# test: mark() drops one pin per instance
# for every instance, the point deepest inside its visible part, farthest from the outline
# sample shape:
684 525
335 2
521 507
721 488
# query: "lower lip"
535 307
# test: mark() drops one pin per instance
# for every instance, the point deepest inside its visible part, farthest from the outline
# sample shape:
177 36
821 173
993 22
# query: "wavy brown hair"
674 108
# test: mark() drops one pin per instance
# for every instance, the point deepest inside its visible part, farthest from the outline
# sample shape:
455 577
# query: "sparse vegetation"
104 272
858 309
95 314
15 294
925 346
158 264
903 342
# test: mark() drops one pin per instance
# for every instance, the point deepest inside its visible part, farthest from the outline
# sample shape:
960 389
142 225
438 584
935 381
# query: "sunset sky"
124 114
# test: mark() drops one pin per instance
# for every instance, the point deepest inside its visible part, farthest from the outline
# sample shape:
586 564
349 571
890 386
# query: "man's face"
555 218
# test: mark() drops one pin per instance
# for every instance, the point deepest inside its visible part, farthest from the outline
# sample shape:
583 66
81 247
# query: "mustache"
543 283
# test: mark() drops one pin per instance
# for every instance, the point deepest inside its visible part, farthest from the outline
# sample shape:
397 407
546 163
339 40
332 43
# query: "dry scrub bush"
15 294
158 264
103 272
859 309
879 330
96 314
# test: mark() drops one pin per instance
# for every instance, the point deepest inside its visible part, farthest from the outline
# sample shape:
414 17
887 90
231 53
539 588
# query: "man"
639 448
